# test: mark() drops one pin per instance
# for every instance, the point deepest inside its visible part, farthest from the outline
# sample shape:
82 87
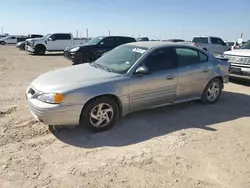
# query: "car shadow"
243 82
141 126
53 54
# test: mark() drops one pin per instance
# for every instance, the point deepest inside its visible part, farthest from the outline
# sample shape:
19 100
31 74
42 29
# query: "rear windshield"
200 40
246 45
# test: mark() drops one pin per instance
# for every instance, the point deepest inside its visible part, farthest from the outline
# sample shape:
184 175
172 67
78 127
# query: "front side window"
217 41
187 56
120 59
13 37
162 59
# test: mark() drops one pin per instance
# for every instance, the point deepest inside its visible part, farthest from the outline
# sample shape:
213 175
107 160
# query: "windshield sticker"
138 50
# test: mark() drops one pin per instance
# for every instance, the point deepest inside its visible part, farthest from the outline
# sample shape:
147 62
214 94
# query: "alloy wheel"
101 115
213 91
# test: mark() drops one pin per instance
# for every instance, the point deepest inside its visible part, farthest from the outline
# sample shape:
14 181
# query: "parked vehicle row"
131 77
21 45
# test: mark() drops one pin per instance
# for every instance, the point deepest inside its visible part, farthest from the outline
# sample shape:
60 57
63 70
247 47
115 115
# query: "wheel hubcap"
101 115
213 91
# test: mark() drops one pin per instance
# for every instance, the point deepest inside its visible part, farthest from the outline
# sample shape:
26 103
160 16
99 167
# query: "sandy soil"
187 145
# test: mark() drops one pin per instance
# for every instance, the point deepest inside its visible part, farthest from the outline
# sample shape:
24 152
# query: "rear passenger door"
105 45
123 40
194 71
63 40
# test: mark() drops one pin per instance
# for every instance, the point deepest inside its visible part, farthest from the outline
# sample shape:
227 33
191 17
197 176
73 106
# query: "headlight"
54 98
74 49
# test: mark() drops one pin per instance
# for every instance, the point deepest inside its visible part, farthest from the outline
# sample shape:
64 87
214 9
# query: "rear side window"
187 56
217 41
13 37
62 36
123 40
203 40
108 42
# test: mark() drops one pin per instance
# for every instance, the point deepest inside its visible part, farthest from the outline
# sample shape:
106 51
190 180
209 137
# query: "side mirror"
142 70
50 39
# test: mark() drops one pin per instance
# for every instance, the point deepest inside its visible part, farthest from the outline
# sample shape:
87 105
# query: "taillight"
196 45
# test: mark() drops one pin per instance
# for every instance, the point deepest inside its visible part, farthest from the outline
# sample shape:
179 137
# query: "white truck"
240 61
214 45
51 42
8 40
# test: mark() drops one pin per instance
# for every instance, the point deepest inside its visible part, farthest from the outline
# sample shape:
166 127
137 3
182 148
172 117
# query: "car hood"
34 39
78 45
239 52
69 78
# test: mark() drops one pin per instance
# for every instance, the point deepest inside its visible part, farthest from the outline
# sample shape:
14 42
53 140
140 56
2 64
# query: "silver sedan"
129 78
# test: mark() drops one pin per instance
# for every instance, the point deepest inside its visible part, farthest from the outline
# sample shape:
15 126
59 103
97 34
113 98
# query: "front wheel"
87 58
40 50
100 114
2 43
212 91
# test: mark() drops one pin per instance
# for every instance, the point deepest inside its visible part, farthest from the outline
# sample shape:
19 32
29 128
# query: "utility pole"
87 33
76 33
109 32
2 30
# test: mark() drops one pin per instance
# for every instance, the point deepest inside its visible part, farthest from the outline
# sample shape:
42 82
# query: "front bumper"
55 114
29 49
76 58
240 72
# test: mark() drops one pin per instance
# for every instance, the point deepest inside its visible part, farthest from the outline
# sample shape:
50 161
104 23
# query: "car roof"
154 44
113 36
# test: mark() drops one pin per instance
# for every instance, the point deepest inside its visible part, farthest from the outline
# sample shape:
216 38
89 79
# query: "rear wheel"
40 50
2 43
100 114
212 91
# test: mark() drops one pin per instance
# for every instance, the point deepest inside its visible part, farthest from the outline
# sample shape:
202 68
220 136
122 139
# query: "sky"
158 19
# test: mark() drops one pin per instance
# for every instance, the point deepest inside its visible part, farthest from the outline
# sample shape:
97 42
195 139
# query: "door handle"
205 70
170 77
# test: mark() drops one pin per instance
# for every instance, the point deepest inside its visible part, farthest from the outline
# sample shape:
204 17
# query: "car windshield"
46 36
94 41
120 59
246 45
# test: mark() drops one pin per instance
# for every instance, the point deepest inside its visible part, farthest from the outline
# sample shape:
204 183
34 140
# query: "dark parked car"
175 40
143 39
94 48
21 41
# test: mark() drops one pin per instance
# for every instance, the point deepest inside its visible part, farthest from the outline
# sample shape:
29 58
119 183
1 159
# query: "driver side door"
159 87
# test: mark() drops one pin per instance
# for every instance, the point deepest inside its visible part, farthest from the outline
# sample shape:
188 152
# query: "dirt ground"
186 145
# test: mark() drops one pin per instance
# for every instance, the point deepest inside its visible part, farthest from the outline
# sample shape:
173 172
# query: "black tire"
2 43
205 95
89 122
23 47
87 58
40 50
